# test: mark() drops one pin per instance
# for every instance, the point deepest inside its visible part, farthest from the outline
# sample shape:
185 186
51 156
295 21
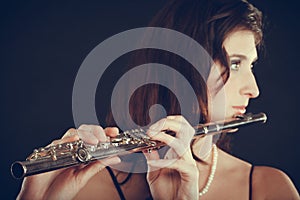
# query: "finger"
161 163
186 169
70 136
71 132
94 130
87 136
177 145
172 122
189 174
153 169
182 127
176 124
99 133
166 124
153 172
151 155
111 131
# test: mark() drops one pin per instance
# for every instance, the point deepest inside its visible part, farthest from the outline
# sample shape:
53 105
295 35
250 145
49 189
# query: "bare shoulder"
267 182
272 183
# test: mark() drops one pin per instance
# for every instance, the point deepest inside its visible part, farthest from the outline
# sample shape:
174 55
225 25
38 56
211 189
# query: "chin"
233 115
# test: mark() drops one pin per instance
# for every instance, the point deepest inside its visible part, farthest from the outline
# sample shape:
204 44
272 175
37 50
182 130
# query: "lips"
239 109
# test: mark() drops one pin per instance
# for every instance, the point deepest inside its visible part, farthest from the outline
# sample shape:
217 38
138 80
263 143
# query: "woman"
231 32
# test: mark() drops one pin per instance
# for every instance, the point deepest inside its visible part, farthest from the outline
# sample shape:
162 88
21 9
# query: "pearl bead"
212 171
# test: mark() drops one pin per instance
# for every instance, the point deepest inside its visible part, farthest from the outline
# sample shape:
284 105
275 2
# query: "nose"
250 88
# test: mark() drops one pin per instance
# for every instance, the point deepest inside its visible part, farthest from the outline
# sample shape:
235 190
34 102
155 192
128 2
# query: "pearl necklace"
212 172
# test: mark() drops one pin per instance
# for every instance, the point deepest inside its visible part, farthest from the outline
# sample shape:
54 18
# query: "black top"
250 182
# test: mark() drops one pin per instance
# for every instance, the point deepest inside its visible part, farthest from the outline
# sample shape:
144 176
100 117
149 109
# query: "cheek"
217 94
214 81
217 105
233 84
217 99
221 101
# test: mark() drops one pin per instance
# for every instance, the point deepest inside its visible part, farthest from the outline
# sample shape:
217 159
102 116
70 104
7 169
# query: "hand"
66 183
176 176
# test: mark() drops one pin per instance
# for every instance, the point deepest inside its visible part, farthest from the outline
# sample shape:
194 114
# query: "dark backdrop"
43 43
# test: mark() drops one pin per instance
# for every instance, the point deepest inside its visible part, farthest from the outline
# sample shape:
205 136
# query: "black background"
43 43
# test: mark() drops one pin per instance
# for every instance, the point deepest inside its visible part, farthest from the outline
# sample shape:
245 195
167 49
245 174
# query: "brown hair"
208 22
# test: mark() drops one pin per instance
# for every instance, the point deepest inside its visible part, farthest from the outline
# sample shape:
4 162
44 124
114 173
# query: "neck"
202 148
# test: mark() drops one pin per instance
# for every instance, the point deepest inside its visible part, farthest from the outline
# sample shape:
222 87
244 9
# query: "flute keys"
83 155
53 153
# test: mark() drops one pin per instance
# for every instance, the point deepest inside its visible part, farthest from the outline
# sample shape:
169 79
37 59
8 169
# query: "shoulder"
267 182
272 183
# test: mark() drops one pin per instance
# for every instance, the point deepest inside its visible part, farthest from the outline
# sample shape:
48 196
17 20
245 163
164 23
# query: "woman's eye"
235 65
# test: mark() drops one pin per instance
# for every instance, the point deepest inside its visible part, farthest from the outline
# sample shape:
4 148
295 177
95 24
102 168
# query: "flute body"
75 153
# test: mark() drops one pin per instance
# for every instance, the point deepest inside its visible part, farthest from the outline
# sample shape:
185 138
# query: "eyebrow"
243 57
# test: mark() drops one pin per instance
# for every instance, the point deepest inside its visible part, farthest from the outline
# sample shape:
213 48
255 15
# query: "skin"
181 176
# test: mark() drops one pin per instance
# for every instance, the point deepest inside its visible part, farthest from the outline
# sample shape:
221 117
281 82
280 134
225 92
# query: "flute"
68 154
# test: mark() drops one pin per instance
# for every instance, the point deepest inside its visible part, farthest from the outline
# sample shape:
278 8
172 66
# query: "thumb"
153 172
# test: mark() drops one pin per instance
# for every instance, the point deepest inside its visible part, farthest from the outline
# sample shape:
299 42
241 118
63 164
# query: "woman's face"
241 85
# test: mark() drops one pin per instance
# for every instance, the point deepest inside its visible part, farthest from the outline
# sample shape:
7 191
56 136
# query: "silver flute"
69 154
